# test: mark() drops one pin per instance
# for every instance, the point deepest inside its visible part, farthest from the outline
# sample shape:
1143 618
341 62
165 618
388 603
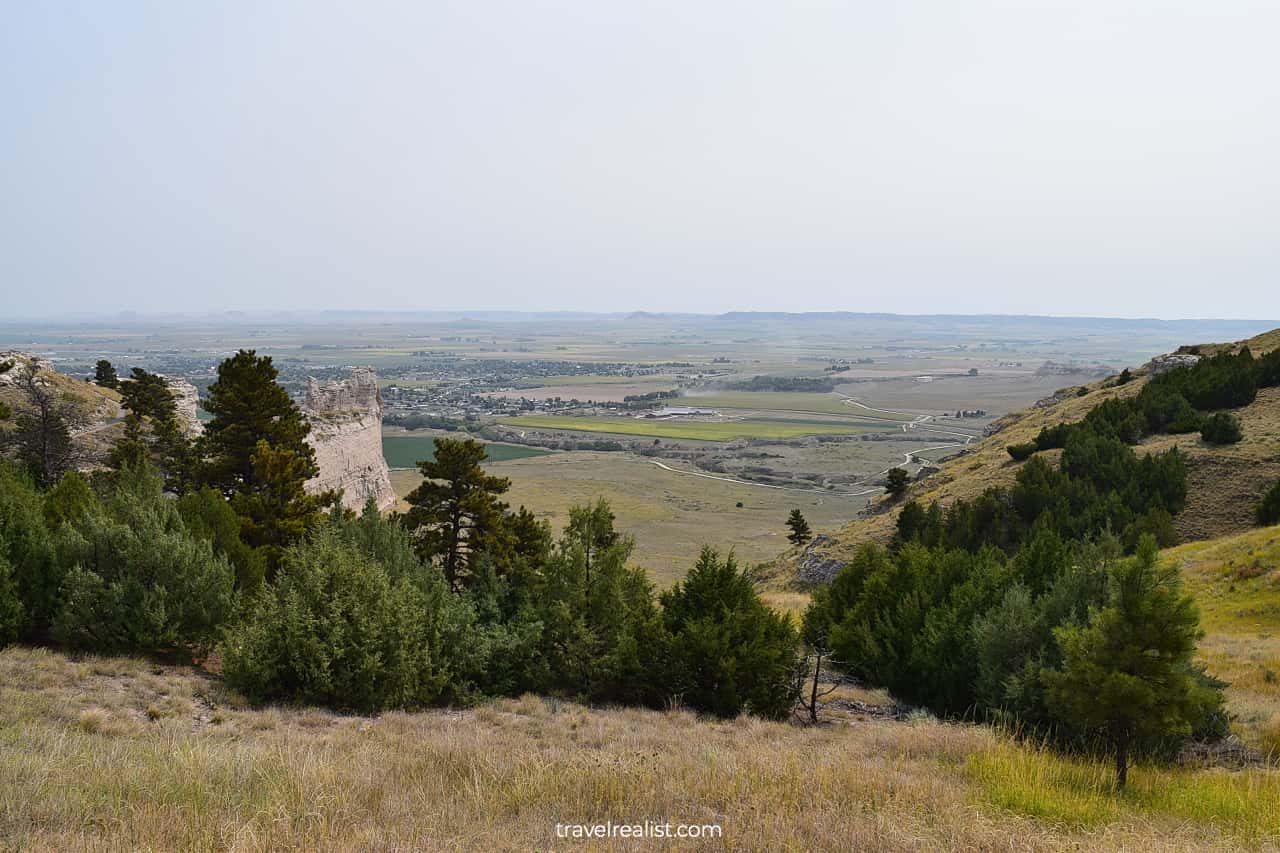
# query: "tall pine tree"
455 514
247 406
257 455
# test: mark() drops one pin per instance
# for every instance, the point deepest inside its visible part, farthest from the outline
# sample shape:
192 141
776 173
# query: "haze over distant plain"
1082 158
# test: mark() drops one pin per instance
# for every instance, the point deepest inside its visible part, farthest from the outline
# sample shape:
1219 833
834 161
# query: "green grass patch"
786 401
406 451
1079 793
726 430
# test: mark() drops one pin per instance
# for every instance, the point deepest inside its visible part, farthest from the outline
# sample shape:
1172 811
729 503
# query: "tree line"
181 546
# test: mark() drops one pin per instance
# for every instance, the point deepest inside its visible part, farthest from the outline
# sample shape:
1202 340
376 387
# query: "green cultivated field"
783 401
405 451
724 430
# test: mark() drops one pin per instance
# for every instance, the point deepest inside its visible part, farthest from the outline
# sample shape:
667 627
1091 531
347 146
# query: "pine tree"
258 457
274 507
247 406
152 431
104 374
591 529
800 532
455 514
1128 673
147 394
43 426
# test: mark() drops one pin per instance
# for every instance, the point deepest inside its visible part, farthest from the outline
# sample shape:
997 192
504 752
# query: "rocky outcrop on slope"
815 567
1173 361
15 359
346 433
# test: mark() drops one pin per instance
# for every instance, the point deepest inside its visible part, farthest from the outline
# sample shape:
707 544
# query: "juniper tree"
896 482
1221 428
728 652
1268 511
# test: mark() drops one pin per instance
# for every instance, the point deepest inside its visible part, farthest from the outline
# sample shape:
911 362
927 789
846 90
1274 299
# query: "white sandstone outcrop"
15 359
1172 361
187 401
346 433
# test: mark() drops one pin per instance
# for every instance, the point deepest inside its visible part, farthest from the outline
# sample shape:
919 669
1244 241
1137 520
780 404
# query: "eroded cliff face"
187 400
346 433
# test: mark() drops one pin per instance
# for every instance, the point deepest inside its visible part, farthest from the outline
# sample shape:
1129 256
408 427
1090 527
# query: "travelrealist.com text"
647 829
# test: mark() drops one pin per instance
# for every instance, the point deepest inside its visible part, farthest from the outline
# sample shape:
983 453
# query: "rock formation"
346 432
1165 363
15 359
187 400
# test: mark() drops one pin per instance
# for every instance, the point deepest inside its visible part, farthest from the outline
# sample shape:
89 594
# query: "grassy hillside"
99 406
1236 584
1223 483
118 753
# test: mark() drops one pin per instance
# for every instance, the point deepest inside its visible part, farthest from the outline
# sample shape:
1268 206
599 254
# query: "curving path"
918 422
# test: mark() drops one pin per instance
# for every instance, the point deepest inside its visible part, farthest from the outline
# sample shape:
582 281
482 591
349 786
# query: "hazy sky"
1098 157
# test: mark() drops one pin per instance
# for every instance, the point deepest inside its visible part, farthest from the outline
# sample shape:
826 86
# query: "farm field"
671 515
998 393
701 430
405 451
602 392
782 401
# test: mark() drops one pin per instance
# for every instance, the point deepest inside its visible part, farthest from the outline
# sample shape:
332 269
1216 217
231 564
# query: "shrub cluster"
355 618
976 633
109 569
1100 484
1221 428
1268 510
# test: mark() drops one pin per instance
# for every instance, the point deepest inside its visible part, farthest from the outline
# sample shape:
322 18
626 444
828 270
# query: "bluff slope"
1223 483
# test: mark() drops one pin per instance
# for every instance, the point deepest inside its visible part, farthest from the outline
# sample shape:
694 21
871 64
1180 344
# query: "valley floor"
122 753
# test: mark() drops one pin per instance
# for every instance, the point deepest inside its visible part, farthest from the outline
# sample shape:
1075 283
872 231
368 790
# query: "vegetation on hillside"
1012 607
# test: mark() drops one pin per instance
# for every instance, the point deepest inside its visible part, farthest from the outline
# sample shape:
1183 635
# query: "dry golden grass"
82 767
671 515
